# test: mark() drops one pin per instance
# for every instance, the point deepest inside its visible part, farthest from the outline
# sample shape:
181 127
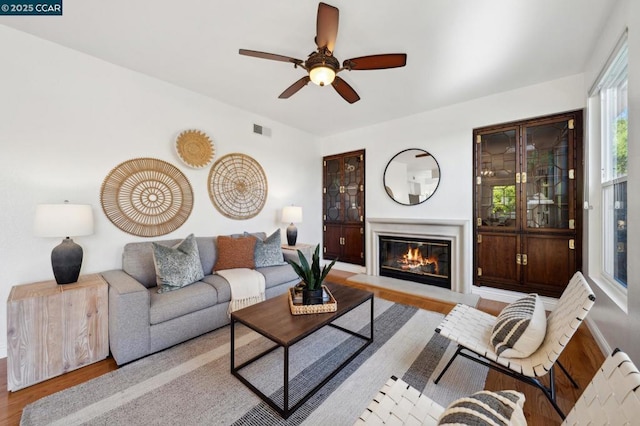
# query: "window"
611 90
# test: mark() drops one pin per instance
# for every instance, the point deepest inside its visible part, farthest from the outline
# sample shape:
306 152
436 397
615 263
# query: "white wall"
614 326
67 119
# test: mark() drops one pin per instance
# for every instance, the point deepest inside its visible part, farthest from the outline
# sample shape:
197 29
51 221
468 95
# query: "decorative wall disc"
195 148
237 186
146 197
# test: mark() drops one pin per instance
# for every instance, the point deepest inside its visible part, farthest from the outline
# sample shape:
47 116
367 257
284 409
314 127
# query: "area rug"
191 384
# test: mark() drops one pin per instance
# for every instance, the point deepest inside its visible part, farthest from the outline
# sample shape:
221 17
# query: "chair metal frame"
471 328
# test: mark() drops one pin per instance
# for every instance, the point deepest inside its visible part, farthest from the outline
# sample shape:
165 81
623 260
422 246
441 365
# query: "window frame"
597 184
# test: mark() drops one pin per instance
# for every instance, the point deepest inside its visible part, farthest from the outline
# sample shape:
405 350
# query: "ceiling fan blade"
327 26
344 90
376 62
272 56
295 87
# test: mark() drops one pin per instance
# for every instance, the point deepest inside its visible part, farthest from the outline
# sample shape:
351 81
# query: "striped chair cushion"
520 328
486 408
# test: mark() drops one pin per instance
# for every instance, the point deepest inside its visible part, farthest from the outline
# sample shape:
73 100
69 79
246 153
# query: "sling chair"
471 329
611 398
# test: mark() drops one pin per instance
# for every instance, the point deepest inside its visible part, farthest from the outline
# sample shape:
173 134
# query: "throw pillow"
268 252
235 253
486 408
520 328
177 266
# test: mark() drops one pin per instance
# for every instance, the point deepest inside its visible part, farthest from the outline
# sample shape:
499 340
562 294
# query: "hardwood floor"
581 357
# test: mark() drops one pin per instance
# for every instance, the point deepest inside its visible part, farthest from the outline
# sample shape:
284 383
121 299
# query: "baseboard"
598 337
508 296
3 351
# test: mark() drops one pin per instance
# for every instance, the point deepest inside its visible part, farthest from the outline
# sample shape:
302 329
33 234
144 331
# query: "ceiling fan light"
322 75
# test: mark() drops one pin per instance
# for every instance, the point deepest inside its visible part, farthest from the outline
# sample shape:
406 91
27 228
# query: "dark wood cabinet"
343 207
527 203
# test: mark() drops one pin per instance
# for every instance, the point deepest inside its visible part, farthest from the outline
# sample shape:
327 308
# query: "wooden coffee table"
273 320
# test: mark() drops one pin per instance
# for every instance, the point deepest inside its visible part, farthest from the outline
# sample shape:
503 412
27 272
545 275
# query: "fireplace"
422 260
454 231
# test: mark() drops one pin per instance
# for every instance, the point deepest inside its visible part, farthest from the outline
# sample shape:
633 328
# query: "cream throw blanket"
247 287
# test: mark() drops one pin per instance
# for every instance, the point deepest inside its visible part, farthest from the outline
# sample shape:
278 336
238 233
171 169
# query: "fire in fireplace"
425 261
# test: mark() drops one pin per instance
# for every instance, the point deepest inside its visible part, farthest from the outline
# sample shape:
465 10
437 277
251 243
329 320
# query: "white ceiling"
457 49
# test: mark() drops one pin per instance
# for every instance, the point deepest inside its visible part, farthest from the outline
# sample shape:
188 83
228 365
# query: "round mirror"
411 177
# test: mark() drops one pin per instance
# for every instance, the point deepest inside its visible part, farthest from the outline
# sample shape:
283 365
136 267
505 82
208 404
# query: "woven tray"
300 309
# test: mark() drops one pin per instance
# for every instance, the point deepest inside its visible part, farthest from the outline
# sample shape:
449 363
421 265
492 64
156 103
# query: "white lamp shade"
63 220
292 214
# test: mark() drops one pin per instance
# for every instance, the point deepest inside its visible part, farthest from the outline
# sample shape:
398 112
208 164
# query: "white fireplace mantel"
455 231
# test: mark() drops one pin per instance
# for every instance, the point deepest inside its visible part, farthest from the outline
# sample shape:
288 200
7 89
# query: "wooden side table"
306 249
53 329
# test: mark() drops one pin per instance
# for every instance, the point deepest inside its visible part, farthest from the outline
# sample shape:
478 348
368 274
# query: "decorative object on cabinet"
146 197
237 186
64 220
527 204
54 329
291 215
411 177
344 207
195 148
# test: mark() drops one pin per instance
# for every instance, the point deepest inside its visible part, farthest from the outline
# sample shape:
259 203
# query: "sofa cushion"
486 408
235 253
167 306
177 266
520 328
268 251
137 258
221 285
276 275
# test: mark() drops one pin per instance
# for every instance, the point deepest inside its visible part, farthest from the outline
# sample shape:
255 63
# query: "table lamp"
291 215
64 220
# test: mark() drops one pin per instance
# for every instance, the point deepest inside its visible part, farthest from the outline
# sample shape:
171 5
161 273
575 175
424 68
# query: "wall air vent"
261 130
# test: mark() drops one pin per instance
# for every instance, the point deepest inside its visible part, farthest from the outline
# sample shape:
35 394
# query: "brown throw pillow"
235 253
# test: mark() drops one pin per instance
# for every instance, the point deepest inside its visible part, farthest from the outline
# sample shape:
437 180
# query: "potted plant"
312 276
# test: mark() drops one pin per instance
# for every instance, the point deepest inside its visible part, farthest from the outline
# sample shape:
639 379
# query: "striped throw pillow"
486 408
520 328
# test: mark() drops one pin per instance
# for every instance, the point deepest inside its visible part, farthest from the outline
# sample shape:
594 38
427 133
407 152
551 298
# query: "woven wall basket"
195 148
237 186
146 197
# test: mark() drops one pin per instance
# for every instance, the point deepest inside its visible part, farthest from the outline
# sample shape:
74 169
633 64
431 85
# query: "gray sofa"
142 321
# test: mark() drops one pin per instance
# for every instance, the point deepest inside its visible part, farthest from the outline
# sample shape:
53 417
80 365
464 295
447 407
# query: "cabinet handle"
518 259
524 259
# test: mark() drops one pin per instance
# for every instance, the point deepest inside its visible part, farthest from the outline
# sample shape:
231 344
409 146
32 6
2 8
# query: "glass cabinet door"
496 191
332 189
353 188
545 185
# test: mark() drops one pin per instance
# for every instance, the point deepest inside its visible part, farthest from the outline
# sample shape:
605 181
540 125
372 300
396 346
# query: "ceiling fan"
322 66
